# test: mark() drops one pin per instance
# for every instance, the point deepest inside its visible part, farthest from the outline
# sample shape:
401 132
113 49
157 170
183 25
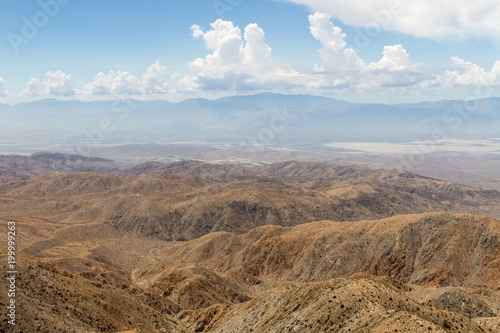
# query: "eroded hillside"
180 207
295 248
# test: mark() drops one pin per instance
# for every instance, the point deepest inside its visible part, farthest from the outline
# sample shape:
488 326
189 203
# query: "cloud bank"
240 61
59 84
456 19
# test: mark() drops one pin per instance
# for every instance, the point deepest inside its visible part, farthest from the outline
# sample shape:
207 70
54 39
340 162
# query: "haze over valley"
438 139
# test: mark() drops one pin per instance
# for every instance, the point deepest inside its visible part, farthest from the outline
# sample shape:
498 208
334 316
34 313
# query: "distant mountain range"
266 119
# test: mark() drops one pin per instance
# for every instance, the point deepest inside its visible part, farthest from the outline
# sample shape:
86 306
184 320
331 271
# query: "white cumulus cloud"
464 73
243 61
113 83
224 39
342 67
424 18
394 58
334 52
256 51
56 83
153 81
237 61
34 88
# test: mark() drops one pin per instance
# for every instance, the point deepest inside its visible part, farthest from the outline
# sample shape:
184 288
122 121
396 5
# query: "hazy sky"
371 51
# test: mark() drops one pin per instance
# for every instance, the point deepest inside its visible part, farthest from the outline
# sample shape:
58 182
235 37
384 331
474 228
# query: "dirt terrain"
186 200
290 247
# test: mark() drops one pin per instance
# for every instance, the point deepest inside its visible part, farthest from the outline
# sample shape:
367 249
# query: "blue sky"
372 51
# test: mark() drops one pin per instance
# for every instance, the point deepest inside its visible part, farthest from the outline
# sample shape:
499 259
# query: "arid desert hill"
180 207
434 272
24 167
437 249
286 247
